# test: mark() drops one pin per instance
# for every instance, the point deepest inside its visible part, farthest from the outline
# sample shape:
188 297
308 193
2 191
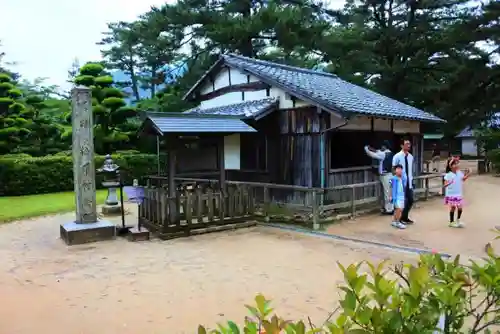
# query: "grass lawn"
19 207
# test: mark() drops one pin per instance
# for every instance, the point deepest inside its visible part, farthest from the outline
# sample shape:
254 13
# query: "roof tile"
186 123
329 91
246 109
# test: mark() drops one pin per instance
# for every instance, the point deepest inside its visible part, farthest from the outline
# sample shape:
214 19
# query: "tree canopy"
441 56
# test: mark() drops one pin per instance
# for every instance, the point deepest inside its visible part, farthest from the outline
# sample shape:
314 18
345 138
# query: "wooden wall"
299 145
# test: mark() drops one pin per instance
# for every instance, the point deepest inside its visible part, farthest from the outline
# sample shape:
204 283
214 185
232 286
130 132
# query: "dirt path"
172 286
164 286
431 231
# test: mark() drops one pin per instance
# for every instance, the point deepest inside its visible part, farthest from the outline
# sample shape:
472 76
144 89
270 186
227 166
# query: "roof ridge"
283 66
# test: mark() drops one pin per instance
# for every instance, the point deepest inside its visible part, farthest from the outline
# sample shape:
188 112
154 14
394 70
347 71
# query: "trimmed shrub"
21 175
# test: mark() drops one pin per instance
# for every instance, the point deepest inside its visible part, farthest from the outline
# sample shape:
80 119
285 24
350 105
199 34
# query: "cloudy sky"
44 36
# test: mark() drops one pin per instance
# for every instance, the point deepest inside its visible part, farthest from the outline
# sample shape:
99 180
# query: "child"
453 192
397 197
451 157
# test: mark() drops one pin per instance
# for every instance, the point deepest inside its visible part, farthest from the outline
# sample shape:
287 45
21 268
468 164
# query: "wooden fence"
201 203
425 187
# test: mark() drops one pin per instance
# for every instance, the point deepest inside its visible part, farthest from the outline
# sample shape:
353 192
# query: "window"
253 151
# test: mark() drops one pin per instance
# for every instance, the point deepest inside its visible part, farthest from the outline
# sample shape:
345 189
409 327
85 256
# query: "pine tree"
15 118
114 120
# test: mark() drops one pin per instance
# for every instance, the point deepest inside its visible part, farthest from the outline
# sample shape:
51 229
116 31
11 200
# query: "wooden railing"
199 203
425 186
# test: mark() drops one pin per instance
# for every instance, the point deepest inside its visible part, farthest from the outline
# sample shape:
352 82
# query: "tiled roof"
246 109
191 123
469 132
328 90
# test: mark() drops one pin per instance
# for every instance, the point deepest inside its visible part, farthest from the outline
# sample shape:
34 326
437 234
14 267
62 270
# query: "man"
436 157
384 171
405 159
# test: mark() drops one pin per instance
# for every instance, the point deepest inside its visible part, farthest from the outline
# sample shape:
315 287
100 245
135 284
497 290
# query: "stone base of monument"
111 209
77 234
135 234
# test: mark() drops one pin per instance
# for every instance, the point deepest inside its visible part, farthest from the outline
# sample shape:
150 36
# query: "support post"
86 228
221 164
171 161
315 210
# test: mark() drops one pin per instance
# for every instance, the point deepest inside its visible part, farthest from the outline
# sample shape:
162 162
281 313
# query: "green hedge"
40 175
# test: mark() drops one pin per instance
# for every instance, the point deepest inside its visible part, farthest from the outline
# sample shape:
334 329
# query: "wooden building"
311 126
468 145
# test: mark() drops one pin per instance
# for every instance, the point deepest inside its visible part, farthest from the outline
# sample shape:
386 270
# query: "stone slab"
77 234
138 235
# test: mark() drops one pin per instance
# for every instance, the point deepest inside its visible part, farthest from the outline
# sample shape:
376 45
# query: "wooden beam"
244 87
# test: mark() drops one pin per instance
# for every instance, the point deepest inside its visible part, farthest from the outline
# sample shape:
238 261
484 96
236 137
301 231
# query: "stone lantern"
111 173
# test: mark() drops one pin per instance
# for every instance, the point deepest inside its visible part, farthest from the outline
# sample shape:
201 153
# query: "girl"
397 197
454 192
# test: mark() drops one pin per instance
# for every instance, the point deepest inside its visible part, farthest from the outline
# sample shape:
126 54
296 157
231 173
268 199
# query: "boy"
397 198
453 192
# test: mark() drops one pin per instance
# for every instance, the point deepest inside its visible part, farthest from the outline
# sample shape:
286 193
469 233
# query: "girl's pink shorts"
453 200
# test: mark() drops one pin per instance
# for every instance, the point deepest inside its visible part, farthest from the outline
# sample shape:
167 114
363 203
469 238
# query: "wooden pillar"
171 171
221 163
172 200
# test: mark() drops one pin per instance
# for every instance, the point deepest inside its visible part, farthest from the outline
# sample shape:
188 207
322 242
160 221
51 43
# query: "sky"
44 37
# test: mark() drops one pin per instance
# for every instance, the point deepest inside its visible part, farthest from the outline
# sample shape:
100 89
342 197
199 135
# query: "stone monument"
86 228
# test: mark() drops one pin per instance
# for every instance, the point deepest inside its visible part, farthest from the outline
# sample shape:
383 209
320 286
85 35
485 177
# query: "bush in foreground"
20 175
409 299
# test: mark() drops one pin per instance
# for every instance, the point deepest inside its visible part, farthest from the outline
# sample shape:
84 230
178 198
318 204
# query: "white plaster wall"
284 102
222 100
232 151
255 95
469 146
221 80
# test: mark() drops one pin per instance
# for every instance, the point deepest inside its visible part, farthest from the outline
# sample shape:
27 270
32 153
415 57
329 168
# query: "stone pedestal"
111 206
77 234
110 210
138 235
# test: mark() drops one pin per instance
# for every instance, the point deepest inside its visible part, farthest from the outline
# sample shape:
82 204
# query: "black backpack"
387 163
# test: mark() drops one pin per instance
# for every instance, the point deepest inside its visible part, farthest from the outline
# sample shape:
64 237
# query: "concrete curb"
404 249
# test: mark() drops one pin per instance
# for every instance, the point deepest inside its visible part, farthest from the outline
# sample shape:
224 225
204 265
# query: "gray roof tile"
328 90
192 123
246 109
469 132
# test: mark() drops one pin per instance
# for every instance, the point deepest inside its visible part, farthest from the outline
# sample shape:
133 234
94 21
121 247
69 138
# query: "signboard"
134 194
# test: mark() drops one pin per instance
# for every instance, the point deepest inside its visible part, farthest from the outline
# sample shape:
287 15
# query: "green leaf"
253 311
234 328
349 302
201 330
364 315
